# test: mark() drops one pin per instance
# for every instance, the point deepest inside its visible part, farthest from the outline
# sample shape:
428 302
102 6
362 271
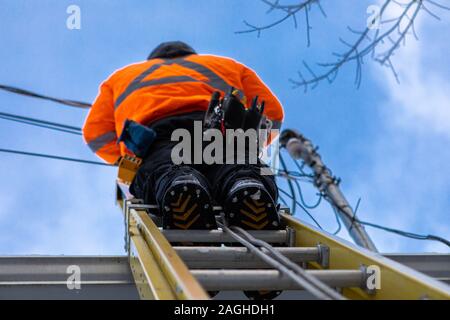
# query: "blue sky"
388 142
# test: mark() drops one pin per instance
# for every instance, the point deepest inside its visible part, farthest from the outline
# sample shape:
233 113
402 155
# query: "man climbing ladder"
172 90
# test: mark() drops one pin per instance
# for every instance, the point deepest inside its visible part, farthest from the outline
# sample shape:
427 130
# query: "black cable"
282 200
303 204
300 167
299 204
370 224
338 221
353 219
294 175
294 199
55 157
302 200
41 125
406 234
67 102
54 124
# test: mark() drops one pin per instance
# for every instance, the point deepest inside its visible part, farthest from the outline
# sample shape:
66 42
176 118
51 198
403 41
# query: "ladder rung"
212 236
272 279
239 257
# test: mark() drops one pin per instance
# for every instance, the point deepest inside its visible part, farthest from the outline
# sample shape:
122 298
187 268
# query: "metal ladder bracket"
290 237
324 252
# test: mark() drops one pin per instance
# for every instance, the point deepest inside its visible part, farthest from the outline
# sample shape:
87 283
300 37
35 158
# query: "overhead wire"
37 124
304 209
283 200
291 188
399 232
353 218
338 221
406 233
299 167
45 122
77 131
302 200
55 157
24 92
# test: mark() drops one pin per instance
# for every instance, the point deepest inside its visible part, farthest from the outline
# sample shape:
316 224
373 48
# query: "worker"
172 90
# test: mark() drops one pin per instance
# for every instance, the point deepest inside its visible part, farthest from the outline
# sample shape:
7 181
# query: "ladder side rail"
166 275
397 281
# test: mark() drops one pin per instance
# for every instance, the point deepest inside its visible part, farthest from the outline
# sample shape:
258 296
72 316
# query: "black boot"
186 204
249 205
262 295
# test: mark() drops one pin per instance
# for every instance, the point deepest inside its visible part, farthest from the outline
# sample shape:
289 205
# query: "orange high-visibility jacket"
158 88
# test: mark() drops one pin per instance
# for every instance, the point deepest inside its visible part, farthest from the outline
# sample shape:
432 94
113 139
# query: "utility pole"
300 147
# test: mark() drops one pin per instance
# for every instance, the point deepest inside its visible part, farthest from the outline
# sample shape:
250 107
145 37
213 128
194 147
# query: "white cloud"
405 183
422 100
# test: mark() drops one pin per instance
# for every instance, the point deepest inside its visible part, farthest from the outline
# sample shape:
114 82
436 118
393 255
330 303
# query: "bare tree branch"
290 11
379 43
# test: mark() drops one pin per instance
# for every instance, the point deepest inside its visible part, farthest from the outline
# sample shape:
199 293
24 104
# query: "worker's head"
171 49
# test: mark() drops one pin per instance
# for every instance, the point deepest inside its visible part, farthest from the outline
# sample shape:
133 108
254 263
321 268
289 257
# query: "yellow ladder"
186 264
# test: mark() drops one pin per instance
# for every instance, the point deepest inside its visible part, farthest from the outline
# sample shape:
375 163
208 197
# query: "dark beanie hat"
171 49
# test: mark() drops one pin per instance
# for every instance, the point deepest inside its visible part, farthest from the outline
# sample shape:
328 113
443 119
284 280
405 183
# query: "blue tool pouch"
137 137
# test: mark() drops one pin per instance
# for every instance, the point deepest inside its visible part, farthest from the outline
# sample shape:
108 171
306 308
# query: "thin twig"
380 44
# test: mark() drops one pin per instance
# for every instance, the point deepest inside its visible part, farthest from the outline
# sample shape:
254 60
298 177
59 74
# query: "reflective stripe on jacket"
158 88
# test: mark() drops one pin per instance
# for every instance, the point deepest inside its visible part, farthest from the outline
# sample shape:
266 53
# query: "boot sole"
187 206
252 208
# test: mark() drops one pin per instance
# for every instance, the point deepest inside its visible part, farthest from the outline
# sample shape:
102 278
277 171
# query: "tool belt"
230 113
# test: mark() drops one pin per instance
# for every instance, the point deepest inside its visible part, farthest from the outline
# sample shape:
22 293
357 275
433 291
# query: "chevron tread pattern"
187 206
252 208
